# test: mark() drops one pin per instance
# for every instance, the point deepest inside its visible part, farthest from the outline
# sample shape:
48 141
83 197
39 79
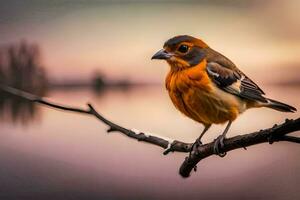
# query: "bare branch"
165 143
290 139
270 135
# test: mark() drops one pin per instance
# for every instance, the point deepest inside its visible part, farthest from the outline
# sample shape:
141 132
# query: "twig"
270 135
166 143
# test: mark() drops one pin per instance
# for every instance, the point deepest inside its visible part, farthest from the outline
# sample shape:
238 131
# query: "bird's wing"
232 80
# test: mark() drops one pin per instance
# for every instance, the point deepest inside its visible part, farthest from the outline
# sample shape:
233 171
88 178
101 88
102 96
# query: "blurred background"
75 51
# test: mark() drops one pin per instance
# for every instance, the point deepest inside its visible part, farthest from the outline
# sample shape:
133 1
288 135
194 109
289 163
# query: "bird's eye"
183 48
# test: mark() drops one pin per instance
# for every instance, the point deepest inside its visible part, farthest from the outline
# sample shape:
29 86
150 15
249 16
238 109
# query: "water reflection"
17 110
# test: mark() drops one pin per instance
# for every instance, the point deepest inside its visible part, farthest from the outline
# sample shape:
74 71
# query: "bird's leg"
219 142
198 141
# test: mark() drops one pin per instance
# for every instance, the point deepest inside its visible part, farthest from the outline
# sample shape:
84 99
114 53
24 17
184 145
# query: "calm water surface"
62 155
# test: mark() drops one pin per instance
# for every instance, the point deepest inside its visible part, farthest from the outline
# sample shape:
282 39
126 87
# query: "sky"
78 38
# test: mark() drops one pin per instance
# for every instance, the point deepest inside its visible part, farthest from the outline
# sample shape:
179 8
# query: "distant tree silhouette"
20 67
98 81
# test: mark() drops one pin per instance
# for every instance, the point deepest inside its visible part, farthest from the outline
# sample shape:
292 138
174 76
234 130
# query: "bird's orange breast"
193 93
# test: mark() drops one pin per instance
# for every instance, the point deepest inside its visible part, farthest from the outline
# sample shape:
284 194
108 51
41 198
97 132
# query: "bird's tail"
276 105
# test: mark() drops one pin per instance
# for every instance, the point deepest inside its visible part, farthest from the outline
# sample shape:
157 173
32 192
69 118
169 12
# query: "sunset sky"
119 37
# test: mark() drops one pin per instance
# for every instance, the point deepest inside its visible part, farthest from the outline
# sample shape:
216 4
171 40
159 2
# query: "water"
63 155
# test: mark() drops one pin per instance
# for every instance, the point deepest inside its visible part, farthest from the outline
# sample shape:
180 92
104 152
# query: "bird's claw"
196 144
219 145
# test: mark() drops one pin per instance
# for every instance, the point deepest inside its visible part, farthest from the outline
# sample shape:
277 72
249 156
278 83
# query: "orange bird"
208 88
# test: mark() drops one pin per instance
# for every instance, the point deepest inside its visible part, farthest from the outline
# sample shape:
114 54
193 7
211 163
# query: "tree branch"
166 143
275 134
270 135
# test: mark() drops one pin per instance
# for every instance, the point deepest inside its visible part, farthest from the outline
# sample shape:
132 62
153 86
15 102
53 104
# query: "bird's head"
182 52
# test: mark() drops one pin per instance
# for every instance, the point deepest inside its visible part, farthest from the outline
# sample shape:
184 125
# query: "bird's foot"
219 145
196 144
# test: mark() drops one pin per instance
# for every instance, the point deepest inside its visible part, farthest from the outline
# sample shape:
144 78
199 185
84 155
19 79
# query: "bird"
209 88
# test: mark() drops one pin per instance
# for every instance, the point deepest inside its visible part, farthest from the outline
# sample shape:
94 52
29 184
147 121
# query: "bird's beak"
162 55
